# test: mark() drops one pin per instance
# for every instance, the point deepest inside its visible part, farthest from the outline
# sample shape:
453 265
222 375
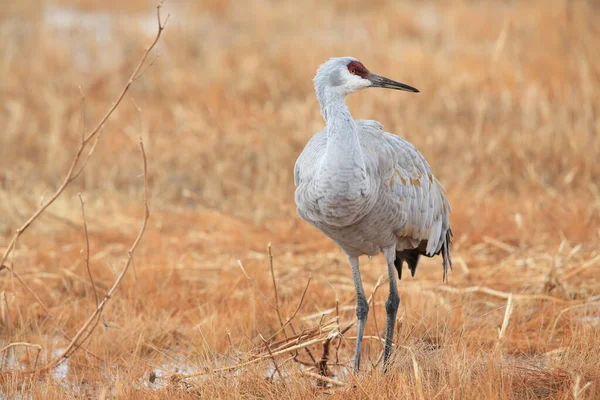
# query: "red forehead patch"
357 68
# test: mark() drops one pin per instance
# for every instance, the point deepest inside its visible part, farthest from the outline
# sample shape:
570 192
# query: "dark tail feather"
412 259
446 260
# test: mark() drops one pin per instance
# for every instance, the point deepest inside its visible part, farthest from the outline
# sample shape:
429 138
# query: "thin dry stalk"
286 361
5 314
271 355
499 244
506 320
86 257
138 111
322 378
562 312
275 288
501 294
254 285
582 268
15 344
358 385
28 345
337 320
578 390
417 372
379 282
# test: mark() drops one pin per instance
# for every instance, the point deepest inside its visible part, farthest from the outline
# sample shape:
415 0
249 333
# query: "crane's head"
345 75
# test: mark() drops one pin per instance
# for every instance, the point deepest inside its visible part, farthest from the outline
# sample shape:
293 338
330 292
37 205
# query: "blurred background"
508 118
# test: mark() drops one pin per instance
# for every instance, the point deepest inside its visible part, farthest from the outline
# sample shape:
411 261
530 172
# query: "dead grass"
507 117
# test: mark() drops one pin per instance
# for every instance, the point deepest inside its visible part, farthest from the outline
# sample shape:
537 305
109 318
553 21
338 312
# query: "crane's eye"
352 71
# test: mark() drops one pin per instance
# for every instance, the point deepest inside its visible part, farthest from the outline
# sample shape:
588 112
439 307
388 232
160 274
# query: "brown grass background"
508 117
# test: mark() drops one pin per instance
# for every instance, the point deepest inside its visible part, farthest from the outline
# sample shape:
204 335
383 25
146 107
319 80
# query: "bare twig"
70 176
135 279
289 320
275 289
83 119
306 334
161 26
86 258
291 345
321 365
307 350
151 63
255 359
11 345
271 355
95 316
93 134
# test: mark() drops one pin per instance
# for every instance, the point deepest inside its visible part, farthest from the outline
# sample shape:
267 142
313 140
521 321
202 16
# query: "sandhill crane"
370 191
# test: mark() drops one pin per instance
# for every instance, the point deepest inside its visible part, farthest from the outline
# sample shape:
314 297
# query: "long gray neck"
343 166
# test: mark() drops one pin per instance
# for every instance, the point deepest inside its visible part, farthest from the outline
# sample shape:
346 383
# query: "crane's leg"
391 305
362 310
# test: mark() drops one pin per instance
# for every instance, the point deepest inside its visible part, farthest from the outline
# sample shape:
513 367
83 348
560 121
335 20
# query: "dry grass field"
508 117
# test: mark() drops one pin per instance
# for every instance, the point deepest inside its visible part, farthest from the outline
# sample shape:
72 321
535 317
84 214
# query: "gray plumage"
368 190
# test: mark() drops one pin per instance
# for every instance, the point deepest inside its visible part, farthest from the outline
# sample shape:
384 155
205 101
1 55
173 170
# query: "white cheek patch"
346 82
356 82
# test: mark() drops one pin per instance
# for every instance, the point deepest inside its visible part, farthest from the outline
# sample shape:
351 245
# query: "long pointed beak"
383 82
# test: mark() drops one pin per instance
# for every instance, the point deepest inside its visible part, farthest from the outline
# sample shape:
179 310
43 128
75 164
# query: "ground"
508 118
